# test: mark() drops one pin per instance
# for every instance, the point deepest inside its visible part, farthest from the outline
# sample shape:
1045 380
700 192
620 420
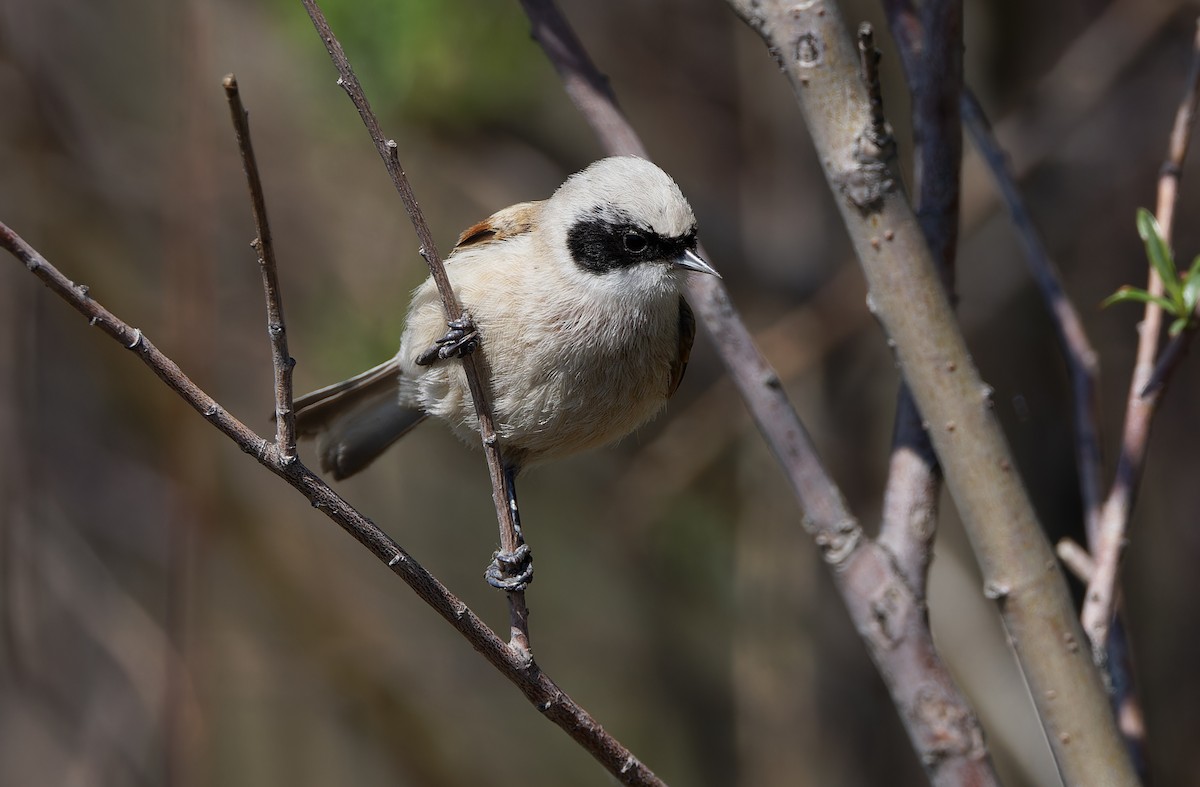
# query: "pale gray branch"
812 46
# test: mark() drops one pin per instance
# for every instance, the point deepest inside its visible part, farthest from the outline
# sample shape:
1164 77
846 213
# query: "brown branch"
812 46
1100 600
890 619
510 534
281 361
538 688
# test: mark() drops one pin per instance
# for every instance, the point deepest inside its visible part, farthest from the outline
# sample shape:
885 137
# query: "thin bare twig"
281 361
1100 600
813 48
889 618
510 533
537 687
1076 558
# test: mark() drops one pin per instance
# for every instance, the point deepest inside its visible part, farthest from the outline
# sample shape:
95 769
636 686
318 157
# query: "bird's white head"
625 226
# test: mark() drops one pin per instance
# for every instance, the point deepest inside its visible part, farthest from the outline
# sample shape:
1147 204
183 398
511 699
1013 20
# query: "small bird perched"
577 301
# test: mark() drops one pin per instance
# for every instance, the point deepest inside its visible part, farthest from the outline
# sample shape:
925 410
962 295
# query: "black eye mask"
608 240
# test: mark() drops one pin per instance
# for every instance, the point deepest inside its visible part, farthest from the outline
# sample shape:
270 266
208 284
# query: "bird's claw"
462 339
511 571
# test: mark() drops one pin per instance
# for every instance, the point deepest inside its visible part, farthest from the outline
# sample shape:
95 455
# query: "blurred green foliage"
450 63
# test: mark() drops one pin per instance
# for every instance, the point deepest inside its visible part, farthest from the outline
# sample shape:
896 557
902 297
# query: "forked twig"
510 534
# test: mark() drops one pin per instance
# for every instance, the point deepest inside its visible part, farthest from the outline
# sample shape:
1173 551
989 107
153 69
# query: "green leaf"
1128 293
1178 326
1191 286
1159 254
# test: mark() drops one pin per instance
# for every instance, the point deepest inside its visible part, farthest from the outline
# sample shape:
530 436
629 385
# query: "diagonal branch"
890 619
537 687
1100 600
1081 359
933 68
1083 367
510 533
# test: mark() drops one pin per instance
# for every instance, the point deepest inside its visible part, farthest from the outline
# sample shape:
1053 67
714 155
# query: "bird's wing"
502 225
356 420
314 409
687 335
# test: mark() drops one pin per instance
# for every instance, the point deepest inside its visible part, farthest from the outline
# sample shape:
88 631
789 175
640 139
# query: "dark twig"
510 535
1077 349
1100 600
934 74
890 619
281 361
538 688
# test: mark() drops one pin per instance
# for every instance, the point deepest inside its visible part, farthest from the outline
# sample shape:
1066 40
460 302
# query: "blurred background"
170 613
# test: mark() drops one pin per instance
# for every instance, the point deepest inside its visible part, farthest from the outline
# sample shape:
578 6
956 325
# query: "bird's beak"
692 261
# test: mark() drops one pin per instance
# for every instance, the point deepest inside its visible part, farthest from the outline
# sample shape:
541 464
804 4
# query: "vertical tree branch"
1100 600
281 361
510 535
812 47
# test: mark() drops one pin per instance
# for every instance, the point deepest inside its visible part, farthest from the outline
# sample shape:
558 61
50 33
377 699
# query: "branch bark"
1083 367
933 67
812 46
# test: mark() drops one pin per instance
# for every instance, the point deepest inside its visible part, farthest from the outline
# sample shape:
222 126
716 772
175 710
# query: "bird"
577 302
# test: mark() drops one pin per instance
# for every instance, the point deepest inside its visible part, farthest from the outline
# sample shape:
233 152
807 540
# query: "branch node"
836 543
996 591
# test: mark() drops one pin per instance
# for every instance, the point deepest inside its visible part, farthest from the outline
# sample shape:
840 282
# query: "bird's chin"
651 281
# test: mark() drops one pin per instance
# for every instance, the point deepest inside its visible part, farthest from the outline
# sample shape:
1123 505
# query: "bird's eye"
634 242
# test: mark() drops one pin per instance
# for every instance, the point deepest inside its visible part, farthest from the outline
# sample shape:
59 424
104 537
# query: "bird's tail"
355 421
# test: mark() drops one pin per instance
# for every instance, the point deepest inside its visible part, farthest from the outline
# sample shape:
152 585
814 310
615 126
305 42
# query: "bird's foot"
511 571
462 339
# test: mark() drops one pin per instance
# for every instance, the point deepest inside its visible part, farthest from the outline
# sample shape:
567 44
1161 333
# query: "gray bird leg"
511 571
